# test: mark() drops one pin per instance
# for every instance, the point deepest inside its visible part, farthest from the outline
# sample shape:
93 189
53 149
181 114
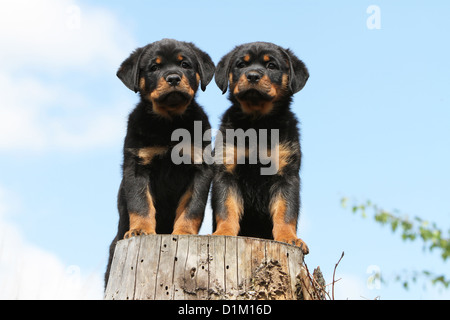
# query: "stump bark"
186 267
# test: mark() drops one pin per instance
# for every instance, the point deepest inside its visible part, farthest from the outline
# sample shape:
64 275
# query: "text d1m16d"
246 309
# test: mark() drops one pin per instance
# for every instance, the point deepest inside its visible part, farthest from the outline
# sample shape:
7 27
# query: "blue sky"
375 124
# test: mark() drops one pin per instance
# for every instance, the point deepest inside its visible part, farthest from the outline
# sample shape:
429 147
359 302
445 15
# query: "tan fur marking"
267 86
197 77
230 158
264 85
284 154
262 108
143 225
230 78
196 154
284 231
234 207
283 89
182 224
241 83
147 154
232 155
281 229
284 82
142 83
185 86
163 87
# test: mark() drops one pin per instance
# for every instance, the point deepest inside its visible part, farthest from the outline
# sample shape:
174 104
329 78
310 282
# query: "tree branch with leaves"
410 229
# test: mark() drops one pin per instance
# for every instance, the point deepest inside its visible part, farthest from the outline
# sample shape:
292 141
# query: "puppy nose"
173 79
253 76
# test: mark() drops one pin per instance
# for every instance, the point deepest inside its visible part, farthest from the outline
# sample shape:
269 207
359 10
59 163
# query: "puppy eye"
185 65
154 67
241 65
271 66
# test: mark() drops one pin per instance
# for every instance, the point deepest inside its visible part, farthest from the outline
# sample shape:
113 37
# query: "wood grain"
187 267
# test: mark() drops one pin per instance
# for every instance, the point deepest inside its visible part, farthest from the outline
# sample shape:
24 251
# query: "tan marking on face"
264 85
185 86
142 83
163 87
285 81
267 86
230 78
262 108
242 83
282 90
197 77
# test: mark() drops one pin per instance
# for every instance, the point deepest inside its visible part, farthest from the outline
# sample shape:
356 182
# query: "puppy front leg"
284 207
228 205
191 207
139 203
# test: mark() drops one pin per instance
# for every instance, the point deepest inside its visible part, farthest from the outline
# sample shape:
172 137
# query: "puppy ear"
223 70
298 73
129 70
205 66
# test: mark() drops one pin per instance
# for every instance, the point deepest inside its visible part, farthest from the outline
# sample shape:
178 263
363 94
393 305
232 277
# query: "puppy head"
167 73
259 74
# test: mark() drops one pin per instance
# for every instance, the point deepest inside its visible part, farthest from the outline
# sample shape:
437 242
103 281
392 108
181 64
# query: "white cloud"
53 116
60 34
353 287
44 42
28 272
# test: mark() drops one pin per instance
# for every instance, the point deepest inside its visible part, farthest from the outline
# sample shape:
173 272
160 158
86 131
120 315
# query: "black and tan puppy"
262 78
157 195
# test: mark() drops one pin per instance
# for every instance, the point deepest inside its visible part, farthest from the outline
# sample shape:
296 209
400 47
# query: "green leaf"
344 201
431 236
394 225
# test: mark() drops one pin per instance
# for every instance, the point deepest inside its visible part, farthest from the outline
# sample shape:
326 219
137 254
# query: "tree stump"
192 267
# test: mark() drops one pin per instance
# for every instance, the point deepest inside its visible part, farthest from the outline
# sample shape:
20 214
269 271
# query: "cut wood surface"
185 267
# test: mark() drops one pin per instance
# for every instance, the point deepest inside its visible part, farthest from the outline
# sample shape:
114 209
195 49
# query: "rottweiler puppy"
262 78
156 194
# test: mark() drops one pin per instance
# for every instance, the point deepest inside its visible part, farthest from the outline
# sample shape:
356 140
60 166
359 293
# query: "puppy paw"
296 242
135 233
300 243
